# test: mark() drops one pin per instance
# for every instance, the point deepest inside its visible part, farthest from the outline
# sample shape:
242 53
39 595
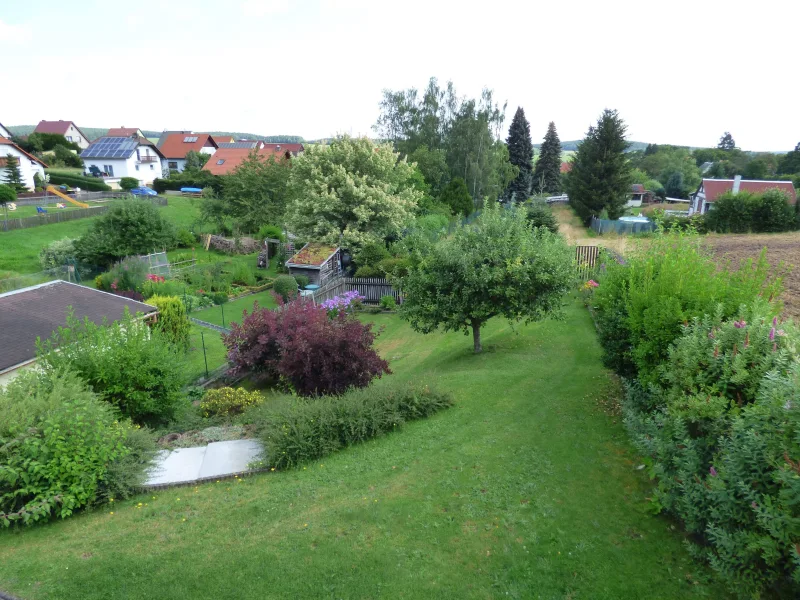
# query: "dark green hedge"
196 180
91 184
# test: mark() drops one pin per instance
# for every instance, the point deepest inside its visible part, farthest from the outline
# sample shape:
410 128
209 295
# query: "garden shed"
39 310
318 262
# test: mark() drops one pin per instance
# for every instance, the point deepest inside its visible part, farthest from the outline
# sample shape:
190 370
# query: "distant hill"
573 145
95 132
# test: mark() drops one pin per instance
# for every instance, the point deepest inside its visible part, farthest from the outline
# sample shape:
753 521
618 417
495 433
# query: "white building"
28 163
175 147
118 157
66 128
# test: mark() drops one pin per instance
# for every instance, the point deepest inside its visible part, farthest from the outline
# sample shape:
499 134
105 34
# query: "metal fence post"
205 358
222 306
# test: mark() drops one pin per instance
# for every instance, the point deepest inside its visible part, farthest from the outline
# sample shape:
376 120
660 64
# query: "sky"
679 72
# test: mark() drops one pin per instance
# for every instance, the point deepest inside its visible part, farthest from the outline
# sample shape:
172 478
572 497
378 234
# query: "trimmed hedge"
200 180
85 183
296 430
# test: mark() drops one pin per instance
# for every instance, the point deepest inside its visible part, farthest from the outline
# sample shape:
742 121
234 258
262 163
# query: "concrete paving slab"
177 466
225 458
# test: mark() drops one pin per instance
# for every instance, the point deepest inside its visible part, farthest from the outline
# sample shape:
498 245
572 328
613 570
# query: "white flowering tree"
352 191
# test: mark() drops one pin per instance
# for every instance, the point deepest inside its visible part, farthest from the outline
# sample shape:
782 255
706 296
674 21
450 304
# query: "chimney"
736 183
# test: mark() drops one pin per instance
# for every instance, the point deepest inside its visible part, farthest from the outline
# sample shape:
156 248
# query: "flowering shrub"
229 401
305 348
155 278
296 430
127 275
342 303
591 284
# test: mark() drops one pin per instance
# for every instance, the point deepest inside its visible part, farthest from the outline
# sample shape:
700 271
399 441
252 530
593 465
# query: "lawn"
30 211
527 488
19 249
232 311
215 352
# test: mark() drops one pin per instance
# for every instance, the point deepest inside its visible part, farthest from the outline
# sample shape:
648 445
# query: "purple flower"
740 324
713 472
711 334
772 334
774 321
753 504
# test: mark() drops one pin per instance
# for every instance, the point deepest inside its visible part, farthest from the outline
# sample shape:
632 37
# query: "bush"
388 303
432 223
285 286
172 321
185 238
295 430
128 183
57 254
128 227
540 215
305 347
368 272
394 267
61 448
641 306
371 254
270 231
745 212
128 275
7 194
242 275
302 281
721 427
196 179
219 298
92 184
229 401
125 363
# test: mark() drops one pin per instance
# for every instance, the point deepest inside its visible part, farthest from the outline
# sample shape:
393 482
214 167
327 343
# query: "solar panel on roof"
111 147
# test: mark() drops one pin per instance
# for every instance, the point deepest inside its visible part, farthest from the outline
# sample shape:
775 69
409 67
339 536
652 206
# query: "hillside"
96 132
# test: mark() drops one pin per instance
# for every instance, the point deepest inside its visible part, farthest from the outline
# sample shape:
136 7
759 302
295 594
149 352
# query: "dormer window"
190 139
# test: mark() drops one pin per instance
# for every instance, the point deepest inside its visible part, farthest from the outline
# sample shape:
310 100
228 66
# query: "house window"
221 161
190 139
173 164
109 169
69 138
137 167
151 167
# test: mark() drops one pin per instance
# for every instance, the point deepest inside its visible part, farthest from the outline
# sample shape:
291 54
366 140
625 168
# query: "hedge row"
85 183
176 182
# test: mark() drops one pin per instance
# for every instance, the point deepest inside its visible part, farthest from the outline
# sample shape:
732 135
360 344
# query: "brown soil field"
781 248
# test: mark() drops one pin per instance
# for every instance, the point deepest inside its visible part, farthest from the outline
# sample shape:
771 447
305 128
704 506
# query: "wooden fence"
52 217
586 260
372 288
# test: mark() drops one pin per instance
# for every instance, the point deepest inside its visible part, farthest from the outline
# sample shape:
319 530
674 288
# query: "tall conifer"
520 154
547 173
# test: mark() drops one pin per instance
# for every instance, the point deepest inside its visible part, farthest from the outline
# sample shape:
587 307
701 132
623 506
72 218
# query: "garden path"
202 463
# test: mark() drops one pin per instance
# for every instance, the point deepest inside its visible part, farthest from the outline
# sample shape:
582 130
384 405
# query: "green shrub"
56 254
270 231
129 227
540 215
242 275
185 238
745 212
128 183
228 401
285 286
641 306
172 321
432 223
219 298
388 303
366 271
394 267
195 179
7 194
302 281
92 184
136 369
61 448
371 254
297 430
128 275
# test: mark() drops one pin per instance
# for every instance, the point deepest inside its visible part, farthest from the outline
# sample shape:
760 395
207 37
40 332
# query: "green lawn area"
233 310
30 211
527 488
19 249
215 351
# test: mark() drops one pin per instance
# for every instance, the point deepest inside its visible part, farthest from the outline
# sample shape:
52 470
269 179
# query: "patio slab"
188 465
226 458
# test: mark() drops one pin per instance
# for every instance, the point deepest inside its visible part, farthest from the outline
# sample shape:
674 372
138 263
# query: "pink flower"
713 471
772 334
740 324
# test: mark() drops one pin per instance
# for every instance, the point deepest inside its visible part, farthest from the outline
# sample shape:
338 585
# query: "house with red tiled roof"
28 163
124 132
230 156
711 189
223 139
293 149
176 146
66 128
4 132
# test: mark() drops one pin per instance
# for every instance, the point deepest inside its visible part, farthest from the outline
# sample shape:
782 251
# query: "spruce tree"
600 177
13 174
547 173
726 142
457 197
520 154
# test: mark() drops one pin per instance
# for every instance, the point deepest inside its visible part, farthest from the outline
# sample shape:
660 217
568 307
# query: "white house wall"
145 173
26 166
74 135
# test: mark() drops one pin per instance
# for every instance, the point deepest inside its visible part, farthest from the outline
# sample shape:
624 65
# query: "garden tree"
13 176
254 194
790 162
667 160
674 186
547 172
758 168
466 130
129 227
433 166
195 160
600 177
497 266
726 142
36 143
457 197
520 154
65 157
7 194
350 192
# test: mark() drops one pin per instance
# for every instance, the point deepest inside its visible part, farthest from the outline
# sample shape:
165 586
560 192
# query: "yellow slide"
53 190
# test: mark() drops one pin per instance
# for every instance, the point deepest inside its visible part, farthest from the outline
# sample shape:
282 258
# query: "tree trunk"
476 336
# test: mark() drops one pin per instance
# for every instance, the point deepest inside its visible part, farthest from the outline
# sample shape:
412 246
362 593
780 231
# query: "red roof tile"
7 142
293 148
233 157
566 167
222 139
715 187
175 146
59 127
122 131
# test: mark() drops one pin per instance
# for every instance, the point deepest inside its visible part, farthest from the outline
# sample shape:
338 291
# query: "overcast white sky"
680 72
